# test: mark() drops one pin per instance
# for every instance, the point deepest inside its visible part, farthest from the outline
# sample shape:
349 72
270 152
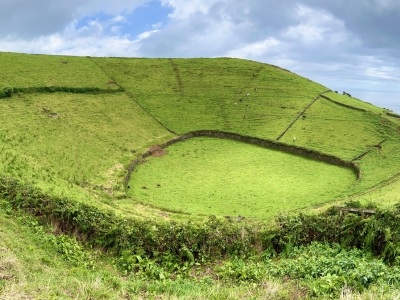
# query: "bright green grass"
85 150
336 130
24 71
195 94
223 177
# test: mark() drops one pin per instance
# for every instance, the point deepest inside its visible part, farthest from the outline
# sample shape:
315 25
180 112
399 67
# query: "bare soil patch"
157 151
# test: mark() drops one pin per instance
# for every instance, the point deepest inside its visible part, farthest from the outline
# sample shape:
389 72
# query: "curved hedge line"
305 152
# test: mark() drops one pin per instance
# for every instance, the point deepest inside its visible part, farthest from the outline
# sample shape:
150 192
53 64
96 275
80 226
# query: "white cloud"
255 50
317 39
316 26
145 35
184 8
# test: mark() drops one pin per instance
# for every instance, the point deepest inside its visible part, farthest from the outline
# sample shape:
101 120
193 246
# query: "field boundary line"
178 76
105 72
130 95
300 114
368 151
342 104
271 144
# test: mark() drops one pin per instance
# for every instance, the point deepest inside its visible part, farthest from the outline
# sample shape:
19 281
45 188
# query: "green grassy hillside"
32 71
81 145
101 149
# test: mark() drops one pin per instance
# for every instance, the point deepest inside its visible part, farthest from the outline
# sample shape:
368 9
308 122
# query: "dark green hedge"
53 89
213 238
8 91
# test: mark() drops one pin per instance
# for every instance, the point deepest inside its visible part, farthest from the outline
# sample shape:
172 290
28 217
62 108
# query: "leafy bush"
65 245
328 269
242 271
6 92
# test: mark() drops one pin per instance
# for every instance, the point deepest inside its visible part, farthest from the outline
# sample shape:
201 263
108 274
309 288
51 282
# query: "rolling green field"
74 145
210 176
81 145
30 71
77 140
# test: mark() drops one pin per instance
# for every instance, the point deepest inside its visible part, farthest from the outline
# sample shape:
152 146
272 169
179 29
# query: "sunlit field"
223 177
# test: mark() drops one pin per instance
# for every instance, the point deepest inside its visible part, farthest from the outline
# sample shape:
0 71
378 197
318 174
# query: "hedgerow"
9 91
65 89
214 238
187 241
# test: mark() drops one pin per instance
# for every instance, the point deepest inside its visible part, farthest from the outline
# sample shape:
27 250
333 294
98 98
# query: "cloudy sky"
350 45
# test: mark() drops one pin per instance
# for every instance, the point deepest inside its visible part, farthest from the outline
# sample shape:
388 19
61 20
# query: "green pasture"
336 130
80 146
77 149
74 145
30 71
222 177
195 94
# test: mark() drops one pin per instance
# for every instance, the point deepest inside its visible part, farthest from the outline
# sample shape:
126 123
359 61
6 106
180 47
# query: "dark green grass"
222 177
30 71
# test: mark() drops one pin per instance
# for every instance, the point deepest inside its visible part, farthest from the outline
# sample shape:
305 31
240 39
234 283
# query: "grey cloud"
28 19
375 24
32 18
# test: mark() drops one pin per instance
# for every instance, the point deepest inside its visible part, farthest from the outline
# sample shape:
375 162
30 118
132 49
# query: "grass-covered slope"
35 71
75 127
195 94
81 145
74 145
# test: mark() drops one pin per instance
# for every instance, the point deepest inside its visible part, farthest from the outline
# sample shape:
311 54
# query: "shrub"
6 92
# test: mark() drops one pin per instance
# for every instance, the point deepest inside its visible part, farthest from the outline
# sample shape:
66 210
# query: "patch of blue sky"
150 16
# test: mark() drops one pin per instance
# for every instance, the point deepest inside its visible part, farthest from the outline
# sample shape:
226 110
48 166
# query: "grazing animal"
235 104
294 139
255 89
248 94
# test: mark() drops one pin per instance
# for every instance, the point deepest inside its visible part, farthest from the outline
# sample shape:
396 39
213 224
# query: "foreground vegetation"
86 184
